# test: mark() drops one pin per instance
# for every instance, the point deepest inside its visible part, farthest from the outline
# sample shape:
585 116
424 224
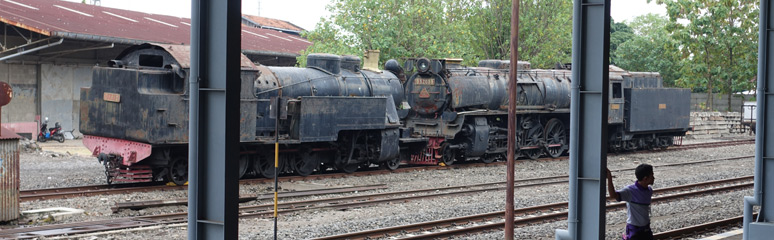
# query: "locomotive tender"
334 115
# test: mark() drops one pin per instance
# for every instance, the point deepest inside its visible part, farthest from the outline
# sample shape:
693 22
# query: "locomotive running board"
131 152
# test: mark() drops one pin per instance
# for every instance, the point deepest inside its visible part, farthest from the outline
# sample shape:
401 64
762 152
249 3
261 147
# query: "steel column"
214 119
588 120
763 226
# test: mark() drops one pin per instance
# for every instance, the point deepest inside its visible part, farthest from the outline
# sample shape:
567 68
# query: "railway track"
552 179
711 145
85 191
695 230
61 193
349 202
528 216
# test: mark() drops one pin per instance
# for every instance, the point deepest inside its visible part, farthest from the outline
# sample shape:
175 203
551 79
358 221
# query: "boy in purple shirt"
637 197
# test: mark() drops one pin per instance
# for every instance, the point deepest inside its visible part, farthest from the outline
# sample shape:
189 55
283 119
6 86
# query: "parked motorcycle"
54 133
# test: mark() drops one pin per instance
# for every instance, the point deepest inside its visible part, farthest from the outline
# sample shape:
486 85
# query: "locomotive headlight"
423 65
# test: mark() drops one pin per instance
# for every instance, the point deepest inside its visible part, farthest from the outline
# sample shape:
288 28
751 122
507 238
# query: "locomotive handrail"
281 87
368 82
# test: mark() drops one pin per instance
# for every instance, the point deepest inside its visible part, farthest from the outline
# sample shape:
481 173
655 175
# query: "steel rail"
62 193
184 201
700 228
444 223
248 212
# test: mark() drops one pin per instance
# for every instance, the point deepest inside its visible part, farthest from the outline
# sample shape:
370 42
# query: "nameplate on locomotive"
662 106
424 81
111 97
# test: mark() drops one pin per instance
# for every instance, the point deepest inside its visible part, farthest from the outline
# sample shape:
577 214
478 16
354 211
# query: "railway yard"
467 198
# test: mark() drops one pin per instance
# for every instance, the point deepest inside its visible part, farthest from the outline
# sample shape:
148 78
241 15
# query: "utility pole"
512 90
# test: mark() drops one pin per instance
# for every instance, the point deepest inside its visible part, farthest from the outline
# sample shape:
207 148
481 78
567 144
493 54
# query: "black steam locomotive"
335 115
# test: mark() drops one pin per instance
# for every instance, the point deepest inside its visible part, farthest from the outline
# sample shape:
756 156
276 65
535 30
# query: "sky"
306 13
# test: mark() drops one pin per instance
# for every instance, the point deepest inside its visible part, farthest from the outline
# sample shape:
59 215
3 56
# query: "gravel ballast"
41 170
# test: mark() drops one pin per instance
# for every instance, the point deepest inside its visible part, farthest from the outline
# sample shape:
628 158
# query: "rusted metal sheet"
132 152
9 175
95 23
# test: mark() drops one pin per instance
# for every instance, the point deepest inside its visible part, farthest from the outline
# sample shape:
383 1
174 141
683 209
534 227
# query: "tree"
651 49
418 28
545 35
470 29
619 33
717 37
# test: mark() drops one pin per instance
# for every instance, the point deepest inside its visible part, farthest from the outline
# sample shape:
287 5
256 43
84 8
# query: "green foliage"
718 40
419 28
545 34
651 49
468 29
619 34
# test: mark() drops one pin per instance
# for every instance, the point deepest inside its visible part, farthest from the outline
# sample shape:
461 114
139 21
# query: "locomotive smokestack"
371 62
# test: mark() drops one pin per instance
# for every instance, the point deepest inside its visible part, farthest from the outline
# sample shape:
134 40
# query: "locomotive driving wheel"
244 162
534 140
449 154
392 164
263 164
490 158
342 162
305 163
347 168
555 138
178 170
533 153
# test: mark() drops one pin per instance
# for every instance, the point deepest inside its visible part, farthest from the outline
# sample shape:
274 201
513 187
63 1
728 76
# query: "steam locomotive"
335 115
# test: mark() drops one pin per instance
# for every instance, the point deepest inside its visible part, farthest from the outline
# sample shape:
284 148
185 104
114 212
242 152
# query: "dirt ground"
73 147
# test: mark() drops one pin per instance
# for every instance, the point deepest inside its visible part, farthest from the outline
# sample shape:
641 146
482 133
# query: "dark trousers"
638 233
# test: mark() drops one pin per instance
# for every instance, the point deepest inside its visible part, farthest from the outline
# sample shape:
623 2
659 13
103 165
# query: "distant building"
48 48
269 23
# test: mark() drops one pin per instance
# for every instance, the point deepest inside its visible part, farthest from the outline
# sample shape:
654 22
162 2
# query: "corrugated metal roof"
8 134
273 23
88 22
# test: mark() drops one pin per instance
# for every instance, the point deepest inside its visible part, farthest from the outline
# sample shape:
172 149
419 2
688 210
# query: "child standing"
637 197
